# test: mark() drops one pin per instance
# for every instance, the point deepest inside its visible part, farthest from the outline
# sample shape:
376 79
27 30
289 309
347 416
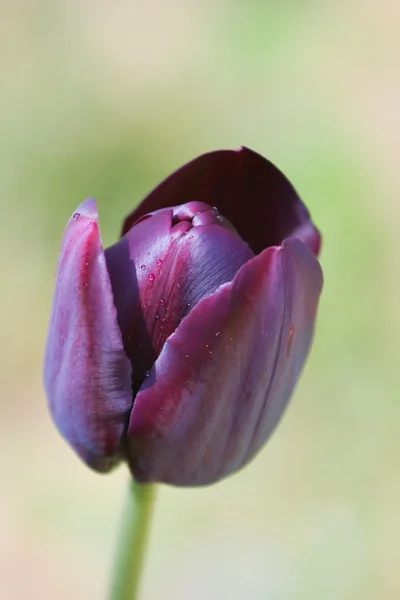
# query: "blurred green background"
104 99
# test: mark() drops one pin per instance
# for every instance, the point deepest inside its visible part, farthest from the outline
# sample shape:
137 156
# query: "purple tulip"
177 349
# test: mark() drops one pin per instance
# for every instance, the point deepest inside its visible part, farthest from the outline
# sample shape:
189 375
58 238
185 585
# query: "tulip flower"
178 348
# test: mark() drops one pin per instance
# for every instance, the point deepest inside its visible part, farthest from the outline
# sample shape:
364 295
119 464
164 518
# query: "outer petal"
225 376
87 374
247 189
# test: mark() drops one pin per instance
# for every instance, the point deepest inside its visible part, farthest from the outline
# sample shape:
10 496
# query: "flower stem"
132 545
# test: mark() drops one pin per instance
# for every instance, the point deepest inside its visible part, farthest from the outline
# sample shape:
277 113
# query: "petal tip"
88 209
243 150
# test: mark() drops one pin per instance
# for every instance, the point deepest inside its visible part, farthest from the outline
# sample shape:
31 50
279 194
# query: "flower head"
177 349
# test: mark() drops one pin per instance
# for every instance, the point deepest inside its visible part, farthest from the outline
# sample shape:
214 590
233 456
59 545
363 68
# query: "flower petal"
247 189
225 376
161 269
87 374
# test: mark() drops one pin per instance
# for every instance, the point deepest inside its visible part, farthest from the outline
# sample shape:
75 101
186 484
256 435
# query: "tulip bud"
177 349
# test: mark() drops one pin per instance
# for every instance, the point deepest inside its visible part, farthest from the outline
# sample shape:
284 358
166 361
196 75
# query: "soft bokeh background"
106 98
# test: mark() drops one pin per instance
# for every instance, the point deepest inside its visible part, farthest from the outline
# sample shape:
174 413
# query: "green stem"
132 545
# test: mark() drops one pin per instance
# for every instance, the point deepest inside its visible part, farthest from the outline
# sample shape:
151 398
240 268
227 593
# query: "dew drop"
159 262
147 373
76 216
178 285
163 302
187 355
217 334
151 277
148 253
143 267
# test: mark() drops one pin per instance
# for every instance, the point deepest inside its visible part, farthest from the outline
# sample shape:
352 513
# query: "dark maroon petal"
161 269
247 189
225 376
87 374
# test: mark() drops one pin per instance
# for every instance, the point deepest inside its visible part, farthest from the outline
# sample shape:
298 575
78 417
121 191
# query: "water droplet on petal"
146 373
143 267
159 262
217 334
163 302
187 355
151 277
76 216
